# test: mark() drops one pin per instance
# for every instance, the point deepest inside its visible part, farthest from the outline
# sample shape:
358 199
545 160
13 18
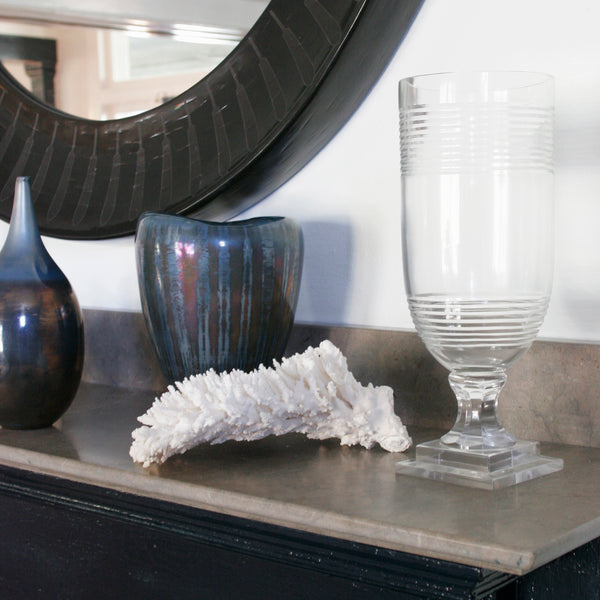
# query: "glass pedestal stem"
477 426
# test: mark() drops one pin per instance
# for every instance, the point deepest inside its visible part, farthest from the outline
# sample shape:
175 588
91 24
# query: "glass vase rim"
541 77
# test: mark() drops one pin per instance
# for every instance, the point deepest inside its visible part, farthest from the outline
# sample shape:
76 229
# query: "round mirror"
218 147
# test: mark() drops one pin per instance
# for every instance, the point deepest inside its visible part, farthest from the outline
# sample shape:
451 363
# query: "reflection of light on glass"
194 34
450 223
138 29
22 321
194 39
500 225
139 33
222 243
185 248
199 34
207 29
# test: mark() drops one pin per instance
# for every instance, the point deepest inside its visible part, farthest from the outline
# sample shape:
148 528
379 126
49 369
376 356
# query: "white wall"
347 199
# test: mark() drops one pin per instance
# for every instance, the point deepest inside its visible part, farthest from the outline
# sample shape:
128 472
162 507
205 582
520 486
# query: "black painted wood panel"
575 575
60 539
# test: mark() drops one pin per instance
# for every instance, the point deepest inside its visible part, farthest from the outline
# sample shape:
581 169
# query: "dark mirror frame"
219 147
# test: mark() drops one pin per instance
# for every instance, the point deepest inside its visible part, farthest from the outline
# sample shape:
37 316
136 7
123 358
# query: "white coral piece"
312 393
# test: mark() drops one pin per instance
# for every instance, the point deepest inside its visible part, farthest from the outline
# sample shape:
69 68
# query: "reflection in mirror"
105 73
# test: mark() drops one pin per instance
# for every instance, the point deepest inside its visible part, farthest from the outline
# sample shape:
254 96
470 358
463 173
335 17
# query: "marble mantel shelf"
320 487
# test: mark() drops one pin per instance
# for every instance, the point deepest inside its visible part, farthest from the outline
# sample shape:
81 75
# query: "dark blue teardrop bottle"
41 329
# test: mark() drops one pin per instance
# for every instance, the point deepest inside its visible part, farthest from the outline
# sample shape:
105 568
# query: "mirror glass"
104 73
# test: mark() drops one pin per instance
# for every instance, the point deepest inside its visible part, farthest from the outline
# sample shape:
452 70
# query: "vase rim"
253 221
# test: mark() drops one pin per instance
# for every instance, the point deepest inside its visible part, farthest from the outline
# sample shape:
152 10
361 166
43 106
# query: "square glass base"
487 469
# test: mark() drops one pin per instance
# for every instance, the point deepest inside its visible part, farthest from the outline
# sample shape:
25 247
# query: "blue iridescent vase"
218 295
41 328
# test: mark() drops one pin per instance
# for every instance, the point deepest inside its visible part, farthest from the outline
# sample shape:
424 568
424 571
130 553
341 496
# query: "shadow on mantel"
552 393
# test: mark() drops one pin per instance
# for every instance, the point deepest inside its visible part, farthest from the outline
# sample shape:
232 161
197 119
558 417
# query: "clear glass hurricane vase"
477 206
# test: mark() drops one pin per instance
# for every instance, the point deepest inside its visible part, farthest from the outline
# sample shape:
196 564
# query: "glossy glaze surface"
218 295
41 328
